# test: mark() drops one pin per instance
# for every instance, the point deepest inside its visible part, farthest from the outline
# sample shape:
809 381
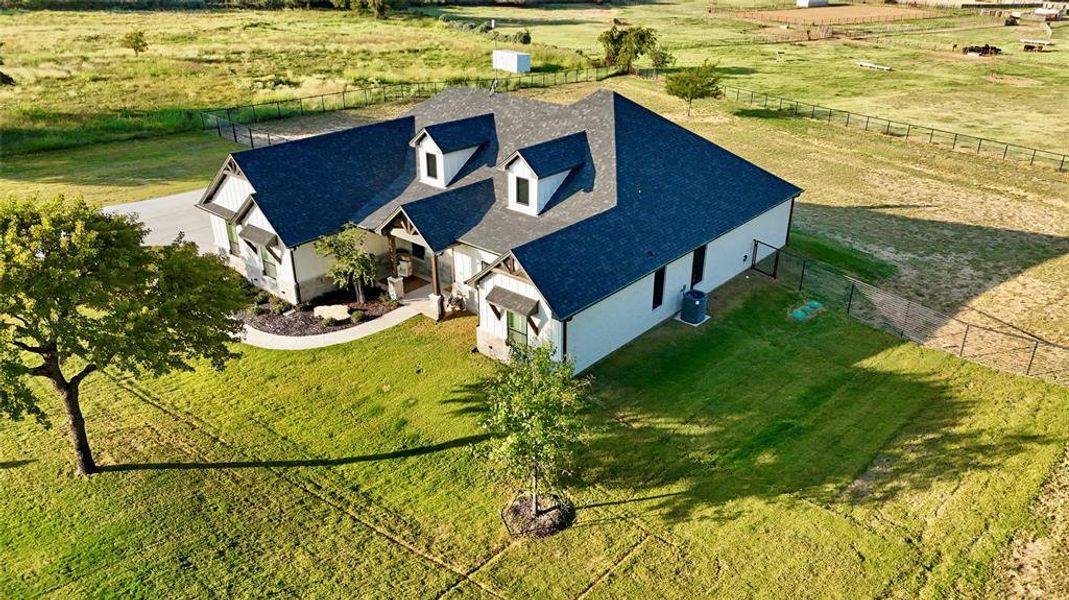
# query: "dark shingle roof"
443 218
310 187
451 136
644 192
677 191
553 156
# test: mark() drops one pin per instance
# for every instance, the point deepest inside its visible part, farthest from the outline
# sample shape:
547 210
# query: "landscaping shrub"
356 316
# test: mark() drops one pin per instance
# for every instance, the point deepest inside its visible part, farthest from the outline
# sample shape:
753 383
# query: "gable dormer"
443 149
535 173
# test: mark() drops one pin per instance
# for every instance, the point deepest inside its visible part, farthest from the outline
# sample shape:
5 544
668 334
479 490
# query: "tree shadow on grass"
312 462
14 464
753 405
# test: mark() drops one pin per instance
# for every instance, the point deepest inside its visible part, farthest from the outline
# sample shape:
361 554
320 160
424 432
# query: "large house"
579 225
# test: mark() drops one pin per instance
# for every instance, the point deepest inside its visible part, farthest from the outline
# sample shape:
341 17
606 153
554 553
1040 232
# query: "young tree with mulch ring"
353 267
533 406
79 293
693 83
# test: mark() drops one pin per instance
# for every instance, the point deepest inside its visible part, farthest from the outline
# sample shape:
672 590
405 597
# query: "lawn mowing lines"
308 486
471 572
612 568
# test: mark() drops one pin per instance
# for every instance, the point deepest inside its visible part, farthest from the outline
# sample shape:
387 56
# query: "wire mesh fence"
1008 351
234 122
908 131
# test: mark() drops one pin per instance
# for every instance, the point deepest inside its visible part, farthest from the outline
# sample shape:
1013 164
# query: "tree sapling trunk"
534 490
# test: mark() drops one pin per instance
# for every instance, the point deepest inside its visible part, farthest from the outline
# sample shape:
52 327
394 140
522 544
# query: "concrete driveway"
168 216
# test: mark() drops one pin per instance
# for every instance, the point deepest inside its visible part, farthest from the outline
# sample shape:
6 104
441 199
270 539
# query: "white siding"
467 261
455 161
493 330
427 146
230 194
616 320
541 189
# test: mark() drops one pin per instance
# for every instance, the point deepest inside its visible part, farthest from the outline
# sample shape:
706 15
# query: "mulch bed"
303 322
555 514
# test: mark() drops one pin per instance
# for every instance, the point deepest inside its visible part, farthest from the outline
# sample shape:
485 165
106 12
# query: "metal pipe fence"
234 122
919 133
1007 351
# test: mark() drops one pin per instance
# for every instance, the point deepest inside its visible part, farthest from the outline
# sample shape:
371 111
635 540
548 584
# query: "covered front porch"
415 273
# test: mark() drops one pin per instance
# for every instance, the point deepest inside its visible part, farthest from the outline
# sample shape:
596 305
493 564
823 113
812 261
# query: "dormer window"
536 173
443 149
430 165
523 191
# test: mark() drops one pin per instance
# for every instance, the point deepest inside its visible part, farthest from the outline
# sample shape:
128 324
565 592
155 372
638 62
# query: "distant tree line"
375 6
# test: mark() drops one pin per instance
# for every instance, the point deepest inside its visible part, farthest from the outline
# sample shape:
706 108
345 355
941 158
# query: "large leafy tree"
353 266
694 83
79 293
624 46
533 416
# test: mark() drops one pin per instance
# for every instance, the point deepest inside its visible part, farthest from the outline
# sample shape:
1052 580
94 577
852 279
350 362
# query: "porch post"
437 302
393 254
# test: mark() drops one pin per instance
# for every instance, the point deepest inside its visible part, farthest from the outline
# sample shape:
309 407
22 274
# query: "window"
523 192
232 237
697 268
419 252
270 264
517 329
658 287
431 163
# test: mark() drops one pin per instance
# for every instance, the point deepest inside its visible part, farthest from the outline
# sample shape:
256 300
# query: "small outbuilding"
512 61
810 3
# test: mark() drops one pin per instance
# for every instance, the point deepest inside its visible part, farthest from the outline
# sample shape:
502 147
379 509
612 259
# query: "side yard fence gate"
1008 351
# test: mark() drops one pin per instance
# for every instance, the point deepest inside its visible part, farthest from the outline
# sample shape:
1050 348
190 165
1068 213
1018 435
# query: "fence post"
1031 358
775 266
1033 161
278 110
1062 165
954 144
848 118
202 125
905 320
909 128
866 123
1005 151
964 338
801 280
850 298
931 136
978 144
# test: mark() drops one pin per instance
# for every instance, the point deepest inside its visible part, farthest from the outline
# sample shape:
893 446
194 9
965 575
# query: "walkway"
270 341
414 303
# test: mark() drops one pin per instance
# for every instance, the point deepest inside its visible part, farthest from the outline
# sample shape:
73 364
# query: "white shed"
512 61
810 3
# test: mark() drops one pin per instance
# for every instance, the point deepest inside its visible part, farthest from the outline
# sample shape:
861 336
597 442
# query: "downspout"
296 282
564 339
790 220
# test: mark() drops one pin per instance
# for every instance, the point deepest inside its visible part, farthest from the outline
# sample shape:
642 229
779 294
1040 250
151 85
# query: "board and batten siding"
605 326
230 194
492 331
467 261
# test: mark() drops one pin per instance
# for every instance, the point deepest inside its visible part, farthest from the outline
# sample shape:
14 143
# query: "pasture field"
749 458
77 86
1017 97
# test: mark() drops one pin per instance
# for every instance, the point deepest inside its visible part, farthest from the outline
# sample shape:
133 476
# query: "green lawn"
754 456
118 172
